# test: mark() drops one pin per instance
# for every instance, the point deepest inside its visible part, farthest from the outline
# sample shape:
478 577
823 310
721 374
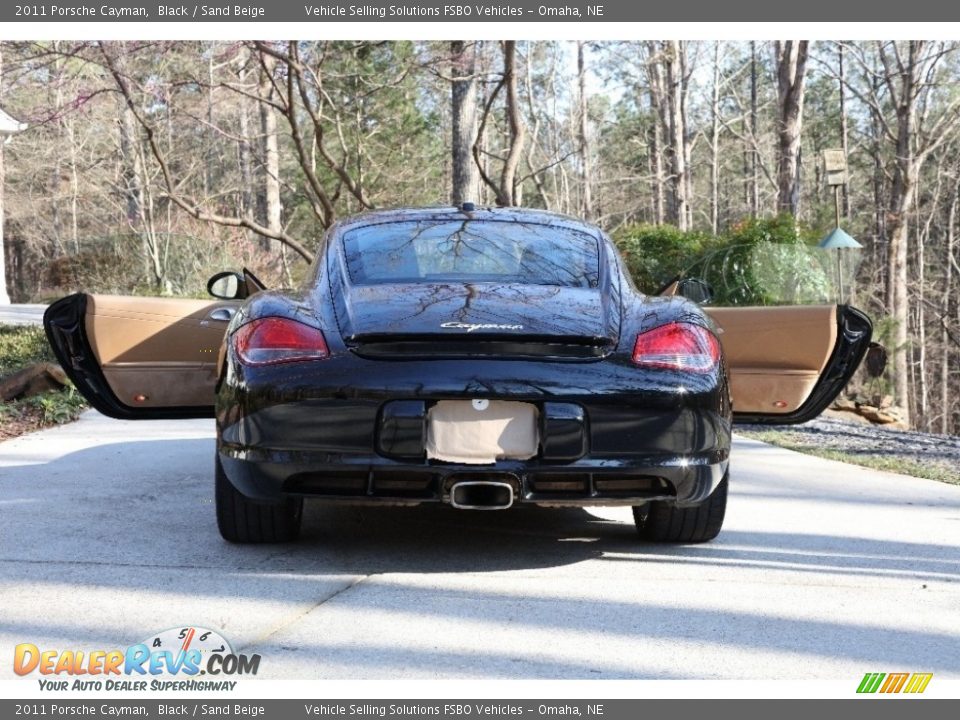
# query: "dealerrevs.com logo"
170 660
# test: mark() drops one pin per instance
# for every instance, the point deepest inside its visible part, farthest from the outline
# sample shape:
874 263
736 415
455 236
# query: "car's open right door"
787 364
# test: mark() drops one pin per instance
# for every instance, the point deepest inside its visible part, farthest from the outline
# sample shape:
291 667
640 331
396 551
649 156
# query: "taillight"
273 340
677 346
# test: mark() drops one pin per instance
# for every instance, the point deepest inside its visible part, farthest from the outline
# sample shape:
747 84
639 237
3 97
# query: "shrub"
769 261
760 261
22 345
656 254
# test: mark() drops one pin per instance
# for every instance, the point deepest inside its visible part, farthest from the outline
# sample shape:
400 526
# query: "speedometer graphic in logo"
184 639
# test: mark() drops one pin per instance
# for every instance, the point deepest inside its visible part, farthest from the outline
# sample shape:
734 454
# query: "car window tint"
471 251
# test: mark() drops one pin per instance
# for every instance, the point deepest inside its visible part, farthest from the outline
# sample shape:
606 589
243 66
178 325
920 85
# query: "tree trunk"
791 81
754 160
922 402
586 173
56 171
271 154
843 127
4 297
678 150
463 96
944 311
656 159
130 160
209 152
74 189
132 184
509 192
715 143
156 259
659 132
534 144
879 206
902 200
244 153
686 135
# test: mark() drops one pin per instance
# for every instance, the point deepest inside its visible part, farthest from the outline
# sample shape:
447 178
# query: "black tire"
665 522
242 520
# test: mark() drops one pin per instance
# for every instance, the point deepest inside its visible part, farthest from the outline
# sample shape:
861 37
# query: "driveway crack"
290 620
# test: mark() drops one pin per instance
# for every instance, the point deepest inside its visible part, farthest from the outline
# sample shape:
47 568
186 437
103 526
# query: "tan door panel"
158 352
775 354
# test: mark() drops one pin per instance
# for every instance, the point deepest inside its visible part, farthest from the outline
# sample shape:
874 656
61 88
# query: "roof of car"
499 214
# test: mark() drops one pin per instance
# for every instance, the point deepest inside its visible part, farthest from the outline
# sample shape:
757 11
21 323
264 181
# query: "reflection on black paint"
530 311
471 252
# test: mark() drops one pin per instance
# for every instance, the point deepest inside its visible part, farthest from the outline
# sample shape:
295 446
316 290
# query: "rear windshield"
471 251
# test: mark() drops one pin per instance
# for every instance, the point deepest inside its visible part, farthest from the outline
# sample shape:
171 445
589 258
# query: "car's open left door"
787 364
141 357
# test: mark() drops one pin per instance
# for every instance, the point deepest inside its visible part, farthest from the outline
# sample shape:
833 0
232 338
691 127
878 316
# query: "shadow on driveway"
139 516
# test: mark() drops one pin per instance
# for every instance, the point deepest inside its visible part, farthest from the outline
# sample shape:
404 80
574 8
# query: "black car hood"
478 310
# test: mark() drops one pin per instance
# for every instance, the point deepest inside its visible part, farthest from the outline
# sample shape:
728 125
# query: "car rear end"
482 360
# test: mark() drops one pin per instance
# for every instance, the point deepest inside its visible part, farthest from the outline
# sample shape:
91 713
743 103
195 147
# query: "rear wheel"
665 522
242 520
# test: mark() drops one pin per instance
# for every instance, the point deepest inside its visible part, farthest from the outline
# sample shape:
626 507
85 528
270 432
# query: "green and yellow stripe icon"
894 682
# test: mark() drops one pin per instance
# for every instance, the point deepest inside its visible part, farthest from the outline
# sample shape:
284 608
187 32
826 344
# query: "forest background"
148 166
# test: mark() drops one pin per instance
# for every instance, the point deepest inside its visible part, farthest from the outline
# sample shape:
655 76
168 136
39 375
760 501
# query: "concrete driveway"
822 571
22 314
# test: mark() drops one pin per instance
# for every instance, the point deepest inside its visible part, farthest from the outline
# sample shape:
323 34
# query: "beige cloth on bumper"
457 431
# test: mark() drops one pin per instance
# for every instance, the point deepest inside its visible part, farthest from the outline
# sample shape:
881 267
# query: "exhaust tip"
481 495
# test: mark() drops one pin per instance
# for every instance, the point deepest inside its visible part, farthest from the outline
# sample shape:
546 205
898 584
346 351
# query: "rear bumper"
270 476
608 434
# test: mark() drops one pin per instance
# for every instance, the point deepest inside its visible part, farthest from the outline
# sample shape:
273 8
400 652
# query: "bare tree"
269 197
791 58
113 59
658 103
586 173
295 92
666 79
674 52
946 348
244 149
506 189
907 82
754 185
623 132
715 143
517 130
463 95
841 72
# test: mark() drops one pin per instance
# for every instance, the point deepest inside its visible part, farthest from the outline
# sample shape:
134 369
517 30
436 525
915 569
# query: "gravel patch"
913 453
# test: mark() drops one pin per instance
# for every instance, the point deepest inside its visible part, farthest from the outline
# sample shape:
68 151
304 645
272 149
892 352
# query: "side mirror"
227 286
695 290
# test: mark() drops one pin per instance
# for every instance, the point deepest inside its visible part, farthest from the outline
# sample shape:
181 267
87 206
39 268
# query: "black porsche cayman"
482 358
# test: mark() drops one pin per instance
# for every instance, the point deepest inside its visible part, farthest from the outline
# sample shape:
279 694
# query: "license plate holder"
481 432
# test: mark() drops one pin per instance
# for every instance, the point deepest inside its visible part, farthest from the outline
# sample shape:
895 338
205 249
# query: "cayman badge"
470 327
